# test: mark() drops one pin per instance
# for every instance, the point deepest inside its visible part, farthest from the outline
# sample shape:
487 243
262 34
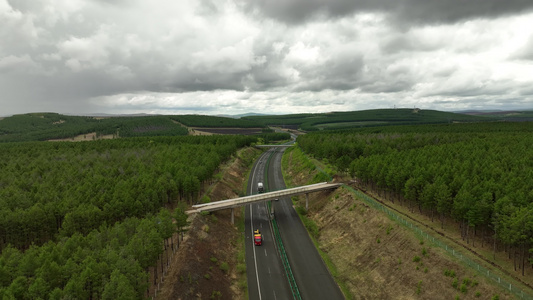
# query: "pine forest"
478 175
86 220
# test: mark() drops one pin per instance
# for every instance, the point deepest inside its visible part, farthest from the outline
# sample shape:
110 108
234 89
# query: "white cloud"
227 57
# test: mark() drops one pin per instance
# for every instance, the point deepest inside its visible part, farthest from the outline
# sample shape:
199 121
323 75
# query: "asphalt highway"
266 276
311 274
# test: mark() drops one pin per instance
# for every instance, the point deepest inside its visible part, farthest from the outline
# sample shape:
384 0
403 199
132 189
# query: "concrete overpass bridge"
241 201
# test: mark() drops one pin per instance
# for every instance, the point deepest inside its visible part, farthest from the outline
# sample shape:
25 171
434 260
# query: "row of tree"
354 119
47 126
110 262
481 175
87 220
214 121
66 188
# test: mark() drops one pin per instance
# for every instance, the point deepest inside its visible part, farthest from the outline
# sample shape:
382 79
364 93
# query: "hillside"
372 256
365 118
53 126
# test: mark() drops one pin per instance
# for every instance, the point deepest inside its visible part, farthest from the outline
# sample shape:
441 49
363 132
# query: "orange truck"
258 239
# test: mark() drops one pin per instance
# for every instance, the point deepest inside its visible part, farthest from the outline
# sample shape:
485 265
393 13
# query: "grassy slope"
210 263
374 257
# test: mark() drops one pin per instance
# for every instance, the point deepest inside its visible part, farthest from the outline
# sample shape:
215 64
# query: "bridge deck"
236 202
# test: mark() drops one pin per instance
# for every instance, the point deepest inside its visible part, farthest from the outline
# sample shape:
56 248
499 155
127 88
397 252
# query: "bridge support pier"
233 216
271 210
306 201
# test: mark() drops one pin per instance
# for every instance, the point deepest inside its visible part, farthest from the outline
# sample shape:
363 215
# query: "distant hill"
365 118
48 126
53 126
506 115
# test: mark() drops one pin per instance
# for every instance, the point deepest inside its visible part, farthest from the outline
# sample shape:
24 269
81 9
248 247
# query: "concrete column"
233 216
271 210
306 201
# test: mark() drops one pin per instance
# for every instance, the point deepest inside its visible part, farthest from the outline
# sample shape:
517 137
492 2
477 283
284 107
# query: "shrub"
205 199
224 267
301 210
216 295
241 268
416 258
467 281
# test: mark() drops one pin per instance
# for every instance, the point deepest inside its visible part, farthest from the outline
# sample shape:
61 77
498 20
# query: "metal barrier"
285 260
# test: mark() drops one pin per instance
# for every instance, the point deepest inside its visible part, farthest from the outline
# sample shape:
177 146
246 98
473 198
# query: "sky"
229 57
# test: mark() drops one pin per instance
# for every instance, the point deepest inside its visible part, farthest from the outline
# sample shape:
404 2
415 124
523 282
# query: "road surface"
266 277
311 274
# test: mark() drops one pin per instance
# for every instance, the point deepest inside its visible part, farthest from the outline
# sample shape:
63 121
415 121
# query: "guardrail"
285 260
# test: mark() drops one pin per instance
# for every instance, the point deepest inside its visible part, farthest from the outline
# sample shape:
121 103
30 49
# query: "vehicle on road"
260 188
258 238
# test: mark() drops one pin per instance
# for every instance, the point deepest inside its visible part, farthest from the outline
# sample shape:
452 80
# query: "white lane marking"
275 295
266 252
255 258
252 230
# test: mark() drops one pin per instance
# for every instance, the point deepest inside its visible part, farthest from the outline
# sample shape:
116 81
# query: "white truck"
260 188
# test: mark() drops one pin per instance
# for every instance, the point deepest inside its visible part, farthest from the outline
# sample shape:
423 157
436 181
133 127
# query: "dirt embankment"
377 258
206 264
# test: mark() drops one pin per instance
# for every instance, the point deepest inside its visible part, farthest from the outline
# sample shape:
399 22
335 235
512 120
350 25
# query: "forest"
213 121
86 220
477 175
48 126
365 118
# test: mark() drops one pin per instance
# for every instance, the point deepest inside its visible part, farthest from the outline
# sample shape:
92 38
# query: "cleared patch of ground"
85 137
211 131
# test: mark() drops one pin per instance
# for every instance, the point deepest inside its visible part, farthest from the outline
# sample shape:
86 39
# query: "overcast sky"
276 56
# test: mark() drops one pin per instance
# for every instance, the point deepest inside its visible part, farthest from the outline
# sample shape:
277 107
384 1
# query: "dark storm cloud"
187 81
337 73
404 11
